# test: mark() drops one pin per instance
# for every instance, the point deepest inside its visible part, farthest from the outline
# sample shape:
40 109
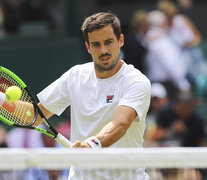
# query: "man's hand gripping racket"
24 112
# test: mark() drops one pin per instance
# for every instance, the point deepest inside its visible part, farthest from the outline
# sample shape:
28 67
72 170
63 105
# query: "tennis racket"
23 113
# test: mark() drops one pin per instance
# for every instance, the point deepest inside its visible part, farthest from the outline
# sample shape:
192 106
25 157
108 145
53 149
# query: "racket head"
22 112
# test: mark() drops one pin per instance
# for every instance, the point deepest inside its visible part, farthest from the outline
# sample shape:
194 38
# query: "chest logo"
109 99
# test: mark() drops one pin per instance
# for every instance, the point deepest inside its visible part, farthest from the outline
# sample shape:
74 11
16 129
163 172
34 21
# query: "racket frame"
53 134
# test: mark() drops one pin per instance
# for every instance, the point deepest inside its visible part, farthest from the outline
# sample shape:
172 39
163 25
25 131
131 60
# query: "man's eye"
108 42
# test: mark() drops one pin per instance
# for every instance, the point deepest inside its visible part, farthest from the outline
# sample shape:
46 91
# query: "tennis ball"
13 94
28 113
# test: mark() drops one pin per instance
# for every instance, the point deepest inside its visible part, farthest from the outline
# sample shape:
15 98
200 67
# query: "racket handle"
63 141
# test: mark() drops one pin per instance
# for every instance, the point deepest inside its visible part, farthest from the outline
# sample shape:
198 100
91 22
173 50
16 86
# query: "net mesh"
101 164
21 112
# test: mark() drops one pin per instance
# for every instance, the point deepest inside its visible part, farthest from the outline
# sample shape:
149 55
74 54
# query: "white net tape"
121 159
58 158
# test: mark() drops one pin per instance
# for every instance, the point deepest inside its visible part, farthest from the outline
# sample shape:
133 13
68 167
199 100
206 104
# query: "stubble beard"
101 68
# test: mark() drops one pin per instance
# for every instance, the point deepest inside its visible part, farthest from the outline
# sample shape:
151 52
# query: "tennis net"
54 163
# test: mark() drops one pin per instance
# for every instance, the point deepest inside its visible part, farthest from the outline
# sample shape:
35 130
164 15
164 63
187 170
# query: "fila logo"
109 99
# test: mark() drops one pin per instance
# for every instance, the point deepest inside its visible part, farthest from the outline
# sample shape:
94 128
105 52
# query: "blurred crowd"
16 13
164 45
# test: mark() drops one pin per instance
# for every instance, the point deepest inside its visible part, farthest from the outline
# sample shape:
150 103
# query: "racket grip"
63 140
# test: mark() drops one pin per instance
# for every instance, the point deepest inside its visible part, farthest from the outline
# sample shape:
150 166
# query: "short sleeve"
55 97
137 94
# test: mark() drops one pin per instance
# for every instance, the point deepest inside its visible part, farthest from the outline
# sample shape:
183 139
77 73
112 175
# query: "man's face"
104 48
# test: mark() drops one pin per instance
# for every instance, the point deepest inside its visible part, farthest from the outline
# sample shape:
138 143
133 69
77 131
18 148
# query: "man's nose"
103 49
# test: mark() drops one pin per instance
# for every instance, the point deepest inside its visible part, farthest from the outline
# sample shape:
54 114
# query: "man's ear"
88 47
121 40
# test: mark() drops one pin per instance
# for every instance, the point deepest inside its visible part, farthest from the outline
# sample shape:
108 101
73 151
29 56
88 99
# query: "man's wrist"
94 142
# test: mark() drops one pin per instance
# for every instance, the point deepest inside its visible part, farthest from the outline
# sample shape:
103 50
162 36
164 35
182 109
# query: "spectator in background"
181 28
134 49
186 36
12 16
159 99
3 135
51 174
24 138
185 4
179 124
15 13
64 128
55 15
164 59
2 29
43 10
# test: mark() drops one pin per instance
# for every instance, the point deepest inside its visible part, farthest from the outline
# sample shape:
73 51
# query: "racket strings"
21 112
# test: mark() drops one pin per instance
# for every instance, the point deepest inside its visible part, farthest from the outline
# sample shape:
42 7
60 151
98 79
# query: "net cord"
59 158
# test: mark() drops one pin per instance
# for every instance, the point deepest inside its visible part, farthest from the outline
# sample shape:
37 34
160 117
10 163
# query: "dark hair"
100 20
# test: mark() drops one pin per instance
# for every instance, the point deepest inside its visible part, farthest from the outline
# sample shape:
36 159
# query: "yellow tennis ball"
13 94
28 113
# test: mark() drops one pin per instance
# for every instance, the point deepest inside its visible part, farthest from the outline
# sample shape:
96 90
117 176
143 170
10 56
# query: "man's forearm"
111 133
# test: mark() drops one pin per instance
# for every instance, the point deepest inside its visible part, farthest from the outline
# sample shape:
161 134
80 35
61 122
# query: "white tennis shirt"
94 101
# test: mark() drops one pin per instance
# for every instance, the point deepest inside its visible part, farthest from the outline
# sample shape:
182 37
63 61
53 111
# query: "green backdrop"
38 61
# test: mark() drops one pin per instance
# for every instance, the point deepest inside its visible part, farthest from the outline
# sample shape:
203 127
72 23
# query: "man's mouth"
105 58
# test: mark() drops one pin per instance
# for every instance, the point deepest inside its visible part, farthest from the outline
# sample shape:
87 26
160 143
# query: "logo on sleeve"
109 99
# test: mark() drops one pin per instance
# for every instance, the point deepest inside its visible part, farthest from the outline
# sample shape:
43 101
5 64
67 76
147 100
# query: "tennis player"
109 99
